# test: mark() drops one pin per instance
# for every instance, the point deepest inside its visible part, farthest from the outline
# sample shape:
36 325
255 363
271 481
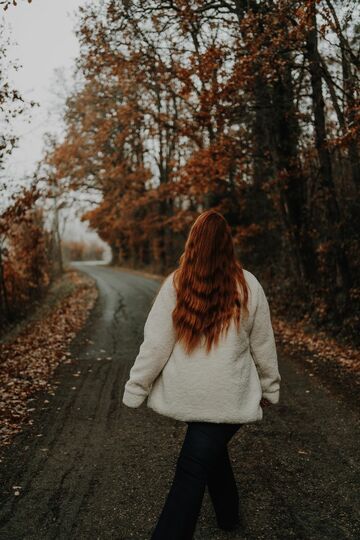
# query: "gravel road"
91 468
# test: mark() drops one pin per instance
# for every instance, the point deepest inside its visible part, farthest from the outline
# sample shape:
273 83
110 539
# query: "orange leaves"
323 348
20 210
203 169
209 62
209 167
28 360
24 260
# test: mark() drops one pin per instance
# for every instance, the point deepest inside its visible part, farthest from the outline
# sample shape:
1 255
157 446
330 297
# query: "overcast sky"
44 43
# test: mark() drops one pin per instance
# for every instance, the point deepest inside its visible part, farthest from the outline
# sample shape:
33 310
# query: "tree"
245 107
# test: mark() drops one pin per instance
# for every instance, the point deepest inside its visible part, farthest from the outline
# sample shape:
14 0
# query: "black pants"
203 461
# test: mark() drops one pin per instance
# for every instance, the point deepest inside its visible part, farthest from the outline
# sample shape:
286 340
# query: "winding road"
90 468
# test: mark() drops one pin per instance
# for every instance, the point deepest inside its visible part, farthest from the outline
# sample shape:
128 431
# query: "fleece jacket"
224 385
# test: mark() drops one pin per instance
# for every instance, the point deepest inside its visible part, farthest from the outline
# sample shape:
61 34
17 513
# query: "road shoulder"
31 351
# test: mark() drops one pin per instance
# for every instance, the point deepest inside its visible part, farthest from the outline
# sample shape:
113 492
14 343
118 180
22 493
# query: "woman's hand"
264 402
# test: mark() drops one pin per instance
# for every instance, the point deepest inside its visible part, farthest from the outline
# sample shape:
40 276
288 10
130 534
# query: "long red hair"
210 283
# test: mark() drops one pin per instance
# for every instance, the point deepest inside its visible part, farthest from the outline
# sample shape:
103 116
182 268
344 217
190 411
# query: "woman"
209 359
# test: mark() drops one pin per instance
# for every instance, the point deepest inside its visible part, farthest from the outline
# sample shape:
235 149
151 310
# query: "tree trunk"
329 223
284 135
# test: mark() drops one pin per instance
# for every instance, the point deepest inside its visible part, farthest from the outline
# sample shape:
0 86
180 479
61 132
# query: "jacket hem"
204 418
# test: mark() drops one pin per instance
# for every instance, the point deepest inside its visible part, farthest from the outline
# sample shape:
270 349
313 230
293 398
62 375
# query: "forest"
251 108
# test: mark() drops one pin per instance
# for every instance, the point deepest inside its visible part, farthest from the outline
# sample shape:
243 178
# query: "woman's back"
223 385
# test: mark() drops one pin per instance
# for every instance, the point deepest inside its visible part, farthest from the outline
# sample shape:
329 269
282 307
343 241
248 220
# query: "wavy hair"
210 284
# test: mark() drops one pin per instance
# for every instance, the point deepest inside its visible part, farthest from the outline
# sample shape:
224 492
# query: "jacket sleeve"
155 350
263 349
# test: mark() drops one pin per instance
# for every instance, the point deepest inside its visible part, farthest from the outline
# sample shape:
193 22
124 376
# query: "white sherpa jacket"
224 385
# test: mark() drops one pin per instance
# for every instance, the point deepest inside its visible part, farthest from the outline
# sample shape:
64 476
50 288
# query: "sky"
43 41
45 45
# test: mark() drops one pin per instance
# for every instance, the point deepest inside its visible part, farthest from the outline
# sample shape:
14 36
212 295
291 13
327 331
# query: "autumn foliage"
251 108
25 255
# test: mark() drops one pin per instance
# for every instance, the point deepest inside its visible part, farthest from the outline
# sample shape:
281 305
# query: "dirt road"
90 468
